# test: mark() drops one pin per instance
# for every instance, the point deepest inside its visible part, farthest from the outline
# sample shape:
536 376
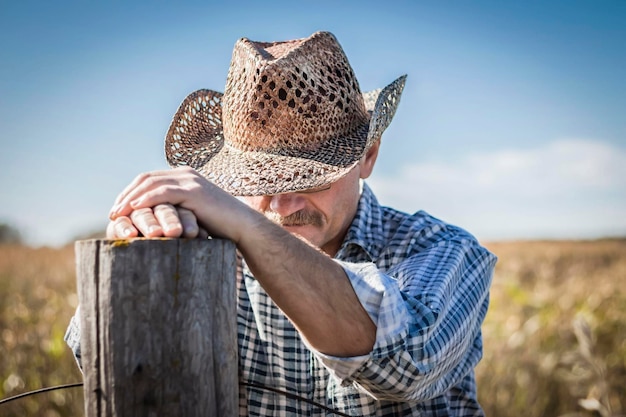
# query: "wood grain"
158 319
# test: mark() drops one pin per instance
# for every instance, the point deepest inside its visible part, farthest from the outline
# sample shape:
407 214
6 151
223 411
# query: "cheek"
336 210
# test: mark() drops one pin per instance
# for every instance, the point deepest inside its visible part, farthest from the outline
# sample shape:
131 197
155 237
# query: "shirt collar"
366 230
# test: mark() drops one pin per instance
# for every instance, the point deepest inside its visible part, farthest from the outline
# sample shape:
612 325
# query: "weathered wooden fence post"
158 319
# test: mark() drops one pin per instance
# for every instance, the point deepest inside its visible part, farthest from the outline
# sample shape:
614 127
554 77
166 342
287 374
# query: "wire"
295 397
39 391
249 384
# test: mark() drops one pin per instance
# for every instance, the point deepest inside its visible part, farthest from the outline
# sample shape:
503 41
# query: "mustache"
298 218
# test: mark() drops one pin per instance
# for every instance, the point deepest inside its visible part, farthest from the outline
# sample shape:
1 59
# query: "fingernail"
153 229
127 231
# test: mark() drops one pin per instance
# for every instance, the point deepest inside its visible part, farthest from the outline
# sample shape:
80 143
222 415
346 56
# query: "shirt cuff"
381 298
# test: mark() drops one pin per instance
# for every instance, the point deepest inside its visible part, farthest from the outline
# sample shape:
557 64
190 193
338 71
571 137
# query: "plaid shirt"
424 283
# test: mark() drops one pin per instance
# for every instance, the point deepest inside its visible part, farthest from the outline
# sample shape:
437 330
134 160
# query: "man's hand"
221 214
164 220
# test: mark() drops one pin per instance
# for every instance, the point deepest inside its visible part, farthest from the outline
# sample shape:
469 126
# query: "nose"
286 204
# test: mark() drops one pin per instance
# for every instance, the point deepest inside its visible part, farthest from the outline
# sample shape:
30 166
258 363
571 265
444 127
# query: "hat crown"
289 97
292 118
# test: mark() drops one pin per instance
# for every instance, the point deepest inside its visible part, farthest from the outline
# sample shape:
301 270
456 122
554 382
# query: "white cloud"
565 189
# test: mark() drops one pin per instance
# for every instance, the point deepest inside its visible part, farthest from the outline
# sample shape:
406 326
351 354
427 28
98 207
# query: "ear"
369 159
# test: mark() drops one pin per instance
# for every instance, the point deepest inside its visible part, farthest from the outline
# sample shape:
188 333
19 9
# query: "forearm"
310 288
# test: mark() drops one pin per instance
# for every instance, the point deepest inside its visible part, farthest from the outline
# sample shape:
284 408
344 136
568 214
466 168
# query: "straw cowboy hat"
292 117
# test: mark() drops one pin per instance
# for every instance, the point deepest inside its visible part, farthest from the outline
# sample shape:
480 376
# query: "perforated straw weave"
292 117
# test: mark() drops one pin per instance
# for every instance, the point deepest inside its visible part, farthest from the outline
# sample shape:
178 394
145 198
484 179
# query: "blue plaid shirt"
424 283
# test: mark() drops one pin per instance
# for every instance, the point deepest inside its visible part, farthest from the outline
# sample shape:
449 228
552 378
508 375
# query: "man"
354 306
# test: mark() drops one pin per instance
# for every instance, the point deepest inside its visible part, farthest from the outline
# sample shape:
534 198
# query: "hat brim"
196 138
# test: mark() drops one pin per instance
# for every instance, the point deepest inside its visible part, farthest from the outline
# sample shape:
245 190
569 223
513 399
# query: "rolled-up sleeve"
382 300
428 310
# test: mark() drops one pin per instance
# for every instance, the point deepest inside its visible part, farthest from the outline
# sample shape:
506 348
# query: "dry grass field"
37 298
555 335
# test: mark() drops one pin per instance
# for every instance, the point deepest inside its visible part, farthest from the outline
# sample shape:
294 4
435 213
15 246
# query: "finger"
133 184
168 218
141 184
146 222
137 181
121 228
189 222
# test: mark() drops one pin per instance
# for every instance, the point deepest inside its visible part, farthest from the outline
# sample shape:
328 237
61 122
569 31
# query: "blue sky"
512 123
